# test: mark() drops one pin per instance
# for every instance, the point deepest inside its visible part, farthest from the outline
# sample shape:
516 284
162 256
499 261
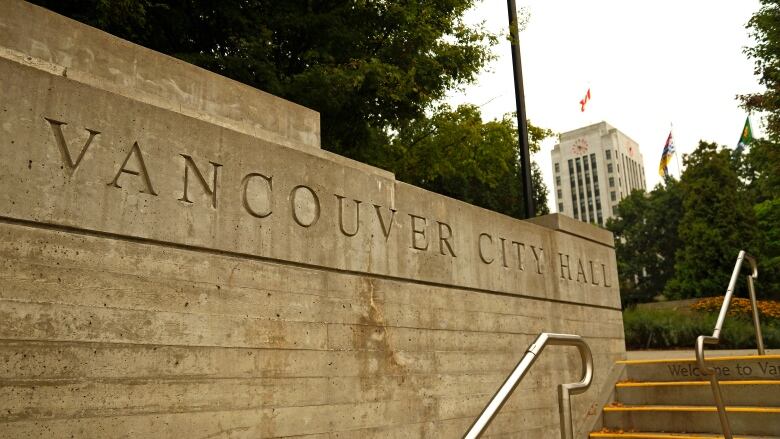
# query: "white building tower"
595 167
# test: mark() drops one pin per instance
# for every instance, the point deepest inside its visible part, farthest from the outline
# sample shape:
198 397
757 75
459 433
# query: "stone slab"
82 158
49 41
106 353
573 227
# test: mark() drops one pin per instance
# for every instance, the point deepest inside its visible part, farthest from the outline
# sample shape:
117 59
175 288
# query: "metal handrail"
564 390
715 338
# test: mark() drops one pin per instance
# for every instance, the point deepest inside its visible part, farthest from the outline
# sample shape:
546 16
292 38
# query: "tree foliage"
764 27
365 66
682 239
759 171
761 163
768 245
717 222
728 201
646 240
374 71
456 154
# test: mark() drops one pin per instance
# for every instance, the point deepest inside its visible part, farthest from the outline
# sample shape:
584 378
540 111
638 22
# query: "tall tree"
768 246
761 169
764 27
455 153
717 222
646 240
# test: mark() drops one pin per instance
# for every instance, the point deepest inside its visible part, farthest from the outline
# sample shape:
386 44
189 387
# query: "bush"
669 329
739 306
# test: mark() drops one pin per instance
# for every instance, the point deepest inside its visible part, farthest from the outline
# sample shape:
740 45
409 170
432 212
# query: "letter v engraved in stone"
59 139
385 229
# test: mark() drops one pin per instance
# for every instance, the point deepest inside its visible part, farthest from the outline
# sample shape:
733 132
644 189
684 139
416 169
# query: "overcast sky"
649 64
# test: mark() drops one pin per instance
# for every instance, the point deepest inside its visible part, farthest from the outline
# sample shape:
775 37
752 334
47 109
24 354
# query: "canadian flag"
585 100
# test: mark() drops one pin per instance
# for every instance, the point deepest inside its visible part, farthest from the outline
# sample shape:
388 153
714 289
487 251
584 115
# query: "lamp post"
522 123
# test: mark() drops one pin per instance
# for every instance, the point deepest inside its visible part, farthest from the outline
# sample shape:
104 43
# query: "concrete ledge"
88 55
268 201
571 226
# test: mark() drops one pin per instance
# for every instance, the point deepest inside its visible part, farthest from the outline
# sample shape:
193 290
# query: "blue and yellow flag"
666 156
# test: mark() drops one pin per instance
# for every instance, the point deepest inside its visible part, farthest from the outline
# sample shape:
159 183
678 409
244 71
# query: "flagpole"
676 156
522 121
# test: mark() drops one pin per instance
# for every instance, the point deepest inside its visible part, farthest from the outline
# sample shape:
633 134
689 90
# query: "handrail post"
754 303
717 395
715 338
564 390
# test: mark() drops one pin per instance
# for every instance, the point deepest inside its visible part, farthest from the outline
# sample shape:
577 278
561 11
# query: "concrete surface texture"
191 264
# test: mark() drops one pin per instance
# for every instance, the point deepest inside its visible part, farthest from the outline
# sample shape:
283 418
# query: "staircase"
670 399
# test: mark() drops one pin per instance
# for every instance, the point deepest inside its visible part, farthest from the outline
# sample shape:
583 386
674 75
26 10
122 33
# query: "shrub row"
669 329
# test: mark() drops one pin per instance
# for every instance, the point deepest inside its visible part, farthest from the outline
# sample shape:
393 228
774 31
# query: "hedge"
669 329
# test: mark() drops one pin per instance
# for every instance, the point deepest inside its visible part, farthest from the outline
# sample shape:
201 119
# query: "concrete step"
733 368
745 420
650 435
737 393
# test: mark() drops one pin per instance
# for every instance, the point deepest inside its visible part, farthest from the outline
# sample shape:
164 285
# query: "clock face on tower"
580 147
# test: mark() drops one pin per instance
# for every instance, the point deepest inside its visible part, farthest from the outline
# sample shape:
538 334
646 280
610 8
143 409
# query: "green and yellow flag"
747 135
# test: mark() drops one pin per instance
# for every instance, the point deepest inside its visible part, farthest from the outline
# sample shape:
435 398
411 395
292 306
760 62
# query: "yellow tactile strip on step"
696 383
692 359
686 408
623 435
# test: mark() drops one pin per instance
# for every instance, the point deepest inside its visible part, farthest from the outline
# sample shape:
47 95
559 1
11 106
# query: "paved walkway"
688 353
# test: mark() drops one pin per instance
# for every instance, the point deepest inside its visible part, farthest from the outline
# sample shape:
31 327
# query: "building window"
558 180
613 196
611 181
557 168
574 202
560 207
609 167
560 194
608 154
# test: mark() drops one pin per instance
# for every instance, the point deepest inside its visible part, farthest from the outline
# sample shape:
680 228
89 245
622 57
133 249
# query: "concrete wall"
88 55
164 273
